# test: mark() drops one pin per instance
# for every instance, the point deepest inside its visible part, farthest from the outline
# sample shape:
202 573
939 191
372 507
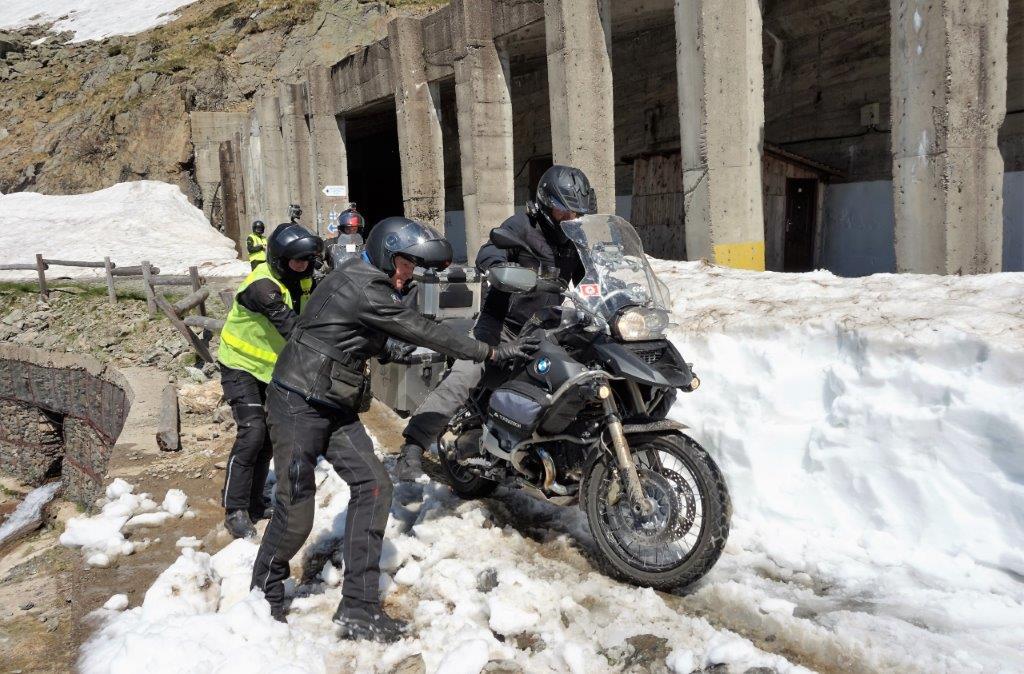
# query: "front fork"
634 490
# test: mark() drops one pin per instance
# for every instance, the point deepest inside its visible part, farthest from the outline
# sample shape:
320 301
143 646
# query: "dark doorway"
801 216
374 164
537 167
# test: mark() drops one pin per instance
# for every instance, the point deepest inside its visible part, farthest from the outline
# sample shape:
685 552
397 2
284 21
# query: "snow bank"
886 411
90 19
101 536
129 222
871 433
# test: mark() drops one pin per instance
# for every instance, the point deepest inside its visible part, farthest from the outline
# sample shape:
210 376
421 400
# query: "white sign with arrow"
335 190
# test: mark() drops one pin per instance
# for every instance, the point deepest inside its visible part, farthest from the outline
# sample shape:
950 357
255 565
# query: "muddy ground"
46 591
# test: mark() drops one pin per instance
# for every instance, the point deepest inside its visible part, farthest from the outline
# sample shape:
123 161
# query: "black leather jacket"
502 315
347 320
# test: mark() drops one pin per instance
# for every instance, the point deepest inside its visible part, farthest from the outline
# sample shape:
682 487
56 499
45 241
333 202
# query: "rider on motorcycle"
563 193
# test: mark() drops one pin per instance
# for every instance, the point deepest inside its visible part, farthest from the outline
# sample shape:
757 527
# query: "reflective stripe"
236 342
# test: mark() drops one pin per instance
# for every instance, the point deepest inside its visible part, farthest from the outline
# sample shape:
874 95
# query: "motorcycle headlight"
637 324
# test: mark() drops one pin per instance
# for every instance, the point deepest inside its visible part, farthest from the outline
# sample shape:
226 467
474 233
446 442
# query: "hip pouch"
347 389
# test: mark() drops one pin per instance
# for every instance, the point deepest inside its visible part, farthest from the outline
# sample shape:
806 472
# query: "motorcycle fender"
624 363
654 427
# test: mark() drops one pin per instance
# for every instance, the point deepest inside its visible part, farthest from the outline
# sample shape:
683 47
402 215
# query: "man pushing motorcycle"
563 193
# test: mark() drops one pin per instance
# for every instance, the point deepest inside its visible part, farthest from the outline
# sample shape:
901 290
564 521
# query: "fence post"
111 294
44 292
147 283
193 273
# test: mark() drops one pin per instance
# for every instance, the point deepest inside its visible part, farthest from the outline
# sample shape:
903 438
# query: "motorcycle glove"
396 351
518 348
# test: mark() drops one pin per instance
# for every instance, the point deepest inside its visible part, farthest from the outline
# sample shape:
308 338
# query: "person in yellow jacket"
262 317
256 244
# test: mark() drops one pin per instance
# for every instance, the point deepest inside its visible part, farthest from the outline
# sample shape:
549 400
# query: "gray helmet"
258 227
566 188
401 236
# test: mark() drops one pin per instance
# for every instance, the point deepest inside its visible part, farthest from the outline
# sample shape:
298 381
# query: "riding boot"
366 620
410 464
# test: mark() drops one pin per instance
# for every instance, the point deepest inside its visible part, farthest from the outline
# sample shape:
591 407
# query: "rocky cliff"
80 117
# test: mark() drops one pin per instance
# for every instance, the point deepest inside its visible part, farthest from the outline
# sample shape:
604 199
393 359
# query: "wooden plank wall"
658 213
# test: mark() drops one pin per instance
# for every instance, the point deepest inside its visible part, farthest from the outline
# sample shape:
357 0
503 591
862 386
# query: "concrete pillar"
273 162
721 120
329 155
298 150
232 193
948 102
578 34
485 122
252 171
419 126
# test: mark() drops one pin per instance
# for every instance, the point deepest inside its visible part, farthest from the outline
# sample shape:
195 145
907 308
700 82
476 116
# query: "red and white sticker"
590 290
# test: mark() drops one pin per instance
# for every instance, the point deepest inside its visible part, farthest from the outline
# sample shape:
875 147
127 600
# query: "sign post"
334 202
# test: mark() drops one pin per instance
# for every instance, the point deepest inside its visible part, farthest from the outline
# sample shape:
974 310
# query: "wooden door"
801 212
658 213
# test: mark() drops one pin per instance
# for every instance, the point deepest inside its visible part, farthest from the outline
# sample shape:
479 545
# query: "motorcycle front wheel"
683 536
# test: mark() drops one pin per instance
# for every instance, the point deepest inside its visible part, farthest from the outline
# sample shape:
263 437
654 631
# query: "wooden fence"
152 281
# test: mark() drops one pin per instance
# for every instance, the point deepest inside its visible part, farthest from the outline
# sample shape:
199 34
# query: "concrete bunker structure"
864 136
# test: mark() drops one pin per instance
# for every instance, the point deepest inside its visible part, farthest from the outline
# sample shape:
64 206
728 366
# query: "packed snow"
870 432
102 536
131 222
28 512
482 591
90 19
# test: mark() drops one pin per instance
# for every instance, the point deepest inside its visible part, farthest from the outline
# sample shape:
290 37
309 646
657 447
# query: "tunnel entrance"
374 164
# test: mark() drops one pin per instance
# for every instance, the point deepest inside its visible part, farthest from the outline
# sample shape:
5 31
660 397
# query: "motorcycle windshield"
617 273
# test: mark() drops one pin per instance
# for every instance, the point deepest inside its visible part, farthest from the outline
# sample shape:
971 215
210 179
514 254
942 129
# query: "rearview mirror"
511 278
504 239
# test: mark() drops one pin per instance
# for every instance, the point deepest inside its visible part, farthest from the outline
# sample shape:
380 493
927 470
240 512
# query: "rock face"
80 117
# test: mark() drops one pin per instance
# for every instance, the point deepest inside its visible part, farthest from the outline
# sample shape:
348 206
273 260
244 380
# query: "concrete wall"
858 226
822 63
209 130
857 230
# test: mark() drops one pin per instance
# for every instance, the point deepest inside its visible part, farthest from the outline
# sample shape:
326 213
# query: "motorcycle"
583 421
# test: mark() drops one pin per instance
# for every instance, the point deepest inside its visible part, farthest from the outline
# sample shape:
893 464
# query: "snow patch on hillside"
129 222
90 19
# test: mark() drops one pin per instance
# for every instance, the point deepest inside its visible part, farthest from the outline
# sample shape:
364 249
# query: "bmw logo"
543 365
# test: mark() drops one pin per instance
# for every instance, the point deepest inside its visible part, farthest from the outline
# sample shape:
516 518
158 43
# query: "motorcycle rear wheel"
685 534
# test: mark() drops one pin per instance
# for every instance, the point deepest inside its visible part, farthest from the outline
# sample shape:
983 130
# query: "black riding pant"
301 433
250 455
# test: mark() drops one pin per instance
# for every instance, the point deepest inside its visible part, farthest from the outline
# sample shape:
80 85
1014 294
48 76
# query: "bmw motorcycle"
583 421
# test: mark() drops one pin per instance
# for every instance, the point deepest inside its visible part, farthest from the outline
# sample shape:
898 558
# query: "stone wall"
48 398
31 447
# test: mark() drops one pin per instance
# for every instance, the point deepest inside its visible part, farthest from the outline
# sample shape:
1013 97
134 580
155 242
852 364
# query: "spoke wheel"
683 535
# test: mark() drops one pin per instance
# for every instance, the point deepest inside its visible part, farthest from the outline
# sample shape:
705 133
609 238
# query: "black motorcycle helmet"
350 218
402 236
258 227
566 188
292 242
